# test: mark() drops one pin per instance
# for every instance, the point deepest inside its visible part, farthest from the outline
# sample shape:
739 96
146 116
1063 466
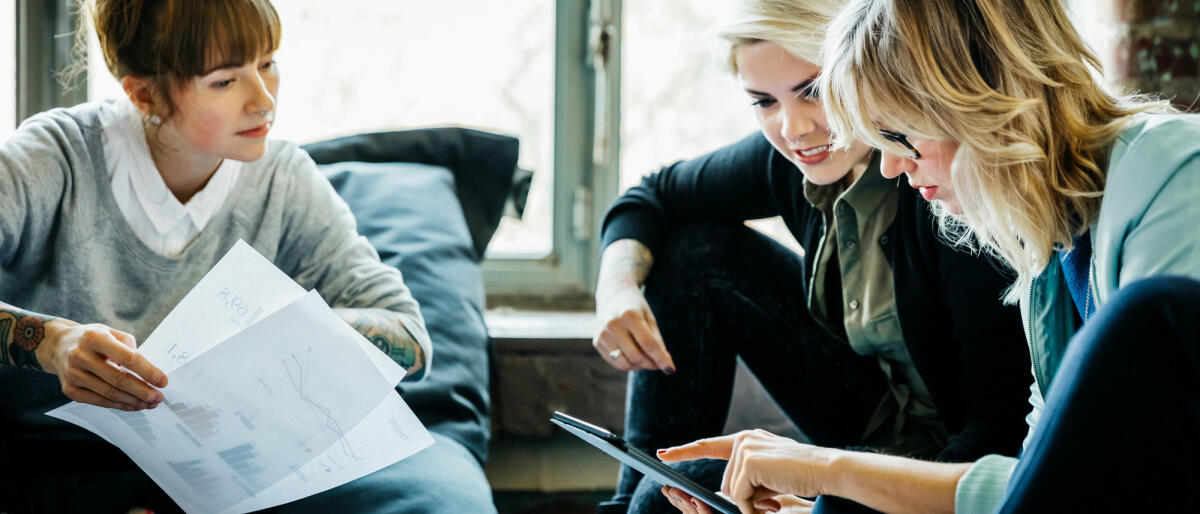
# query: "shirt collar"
126 136
865 195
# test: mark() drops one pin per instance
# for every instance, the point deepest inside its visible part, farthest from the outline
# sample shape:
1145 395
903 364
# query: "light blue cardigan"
1149 225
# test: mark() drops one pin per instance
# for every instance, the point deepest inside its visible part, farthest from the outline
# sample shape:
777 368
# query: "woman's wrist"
623 267
840 470
893 484
55 329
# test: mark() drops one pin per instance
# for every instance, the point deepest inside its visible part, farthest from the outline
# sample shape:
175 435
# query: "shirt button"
853 304
851 243
883 240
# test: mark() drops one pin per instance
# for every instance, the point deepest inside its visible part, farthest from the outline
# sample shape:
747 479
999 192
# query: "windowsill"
531 330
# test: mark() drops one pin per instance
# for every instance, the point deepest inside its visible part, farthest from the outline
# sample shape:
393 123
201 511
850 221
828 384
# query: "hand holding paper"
272 396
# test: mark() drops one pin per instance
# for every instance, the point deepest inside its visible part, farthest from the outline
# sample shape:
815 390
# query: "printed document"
271 396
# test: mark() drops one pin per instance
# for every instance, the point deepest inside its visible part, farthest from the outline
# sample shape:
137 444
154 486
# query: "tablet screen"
651 467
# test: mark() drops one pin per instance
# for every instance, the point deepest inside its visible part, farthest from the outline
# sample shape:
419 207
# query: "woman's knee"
1153 299
1160 306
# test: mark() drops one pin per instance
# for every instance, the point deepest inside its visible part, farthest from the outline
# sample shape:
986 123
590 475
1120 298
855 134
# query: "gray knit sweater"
67 251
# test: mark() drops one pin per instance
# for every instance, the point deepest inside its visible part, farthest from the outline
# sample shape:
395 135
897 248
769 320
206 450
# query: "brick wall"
1157 49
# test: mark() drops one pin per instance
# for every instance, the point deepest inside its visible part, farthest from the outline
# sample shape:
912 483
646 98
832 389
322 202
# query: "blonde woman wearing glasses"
1089 197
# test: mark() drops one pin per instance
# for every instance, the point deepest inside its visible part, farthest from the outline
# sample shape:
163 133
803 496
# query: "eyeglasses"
901 140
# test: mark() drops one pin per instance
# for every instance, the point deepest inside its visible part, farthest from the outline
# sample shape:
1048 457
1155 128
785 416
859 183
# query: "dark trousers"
724 291
1121 427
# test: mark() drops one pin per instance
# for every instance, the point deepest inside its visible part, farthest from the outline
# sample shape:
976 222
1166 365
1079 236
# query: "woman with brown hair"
111 211
992 110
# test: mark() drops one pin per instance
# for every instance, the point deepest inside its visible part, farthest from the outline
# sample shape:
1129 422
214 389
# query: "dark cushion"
411 214
483 165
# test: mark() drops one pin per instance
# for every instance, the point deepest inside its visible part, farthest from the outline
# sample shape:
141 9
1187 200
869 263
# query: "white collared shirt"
156 216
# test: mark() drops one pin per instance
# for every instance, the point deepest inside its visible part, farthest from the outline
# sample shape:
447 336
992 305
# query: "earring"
153 119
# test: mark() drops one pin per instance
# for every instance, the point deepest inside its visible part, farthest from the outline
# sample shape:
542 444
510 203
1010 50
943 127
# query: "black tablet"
609 443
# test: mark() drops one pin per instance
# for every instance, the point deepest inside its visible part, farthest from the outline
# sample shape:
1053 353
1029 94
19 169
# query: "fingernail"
661 452
669 370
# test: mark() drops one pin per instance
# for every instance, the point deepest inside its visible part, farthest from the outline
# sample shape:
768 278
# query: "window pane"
677 100
367 65
8 67
1097 23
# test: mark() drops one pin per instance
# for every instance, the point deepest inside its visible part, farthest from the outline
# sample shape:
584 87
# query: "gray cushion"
483 165
411 214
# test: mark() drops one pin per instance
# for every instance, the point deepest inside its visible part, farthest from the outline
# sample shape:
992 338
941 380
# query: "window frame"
44 49
585 171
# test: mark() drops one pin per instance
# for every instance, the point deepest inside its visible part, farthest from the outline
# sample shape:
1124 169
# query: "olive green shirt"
857 219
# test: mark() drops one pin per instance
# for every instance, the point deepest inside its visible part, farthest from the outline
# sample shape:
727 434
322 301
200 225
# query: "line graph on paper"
296 369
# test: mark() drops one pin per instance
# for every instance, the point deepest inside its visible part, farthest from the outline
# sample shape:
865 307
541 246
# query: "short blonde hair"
798 26
1012 82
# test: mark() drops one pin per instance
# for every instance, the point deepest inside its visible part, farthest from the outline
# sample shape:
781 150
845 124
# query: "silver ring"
615 354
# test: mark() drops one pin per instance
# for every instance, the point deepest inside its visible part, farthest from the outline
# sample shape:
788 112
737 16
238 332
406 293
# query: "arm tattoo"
634 257
384 329
21 333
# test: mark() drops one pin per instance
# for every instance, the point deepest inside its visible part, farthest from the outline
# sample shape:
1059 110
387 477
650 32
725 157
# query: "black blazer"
967 346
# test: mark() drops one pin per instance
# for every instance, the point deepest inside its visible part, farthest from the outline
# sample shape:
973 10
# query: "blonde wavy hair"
1012 82
798 26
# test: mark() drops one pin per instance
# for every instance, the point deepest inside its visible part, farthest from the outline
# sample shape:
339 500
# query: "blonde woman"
880 336
990 107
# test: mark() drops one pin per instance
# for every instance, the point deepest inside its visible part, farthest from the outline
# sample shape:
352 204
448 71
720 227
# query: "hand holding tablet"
637 459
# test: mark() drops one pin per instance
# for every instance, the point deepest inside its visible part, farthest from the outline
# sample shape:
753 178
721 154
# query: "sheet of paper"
366 449
251 410
240 289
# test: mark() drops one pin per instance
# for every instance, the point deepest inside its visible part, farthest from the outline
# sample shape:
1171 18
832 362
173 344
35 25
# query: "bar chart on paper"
242 459
200 420
140 425
195 474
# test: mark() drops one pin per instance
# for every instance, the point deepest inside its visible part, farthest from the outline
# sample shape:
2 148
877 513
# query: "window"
686 109
677 99
363 66
517 68
487 65
8 67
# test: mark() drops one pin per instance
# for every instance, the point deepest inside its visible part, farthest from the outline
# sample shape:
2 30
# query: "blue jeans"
442 478
724 291
1121 427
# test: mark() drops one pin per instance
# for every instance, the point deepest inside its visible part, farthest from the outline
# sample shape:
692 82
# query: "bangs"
217 33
